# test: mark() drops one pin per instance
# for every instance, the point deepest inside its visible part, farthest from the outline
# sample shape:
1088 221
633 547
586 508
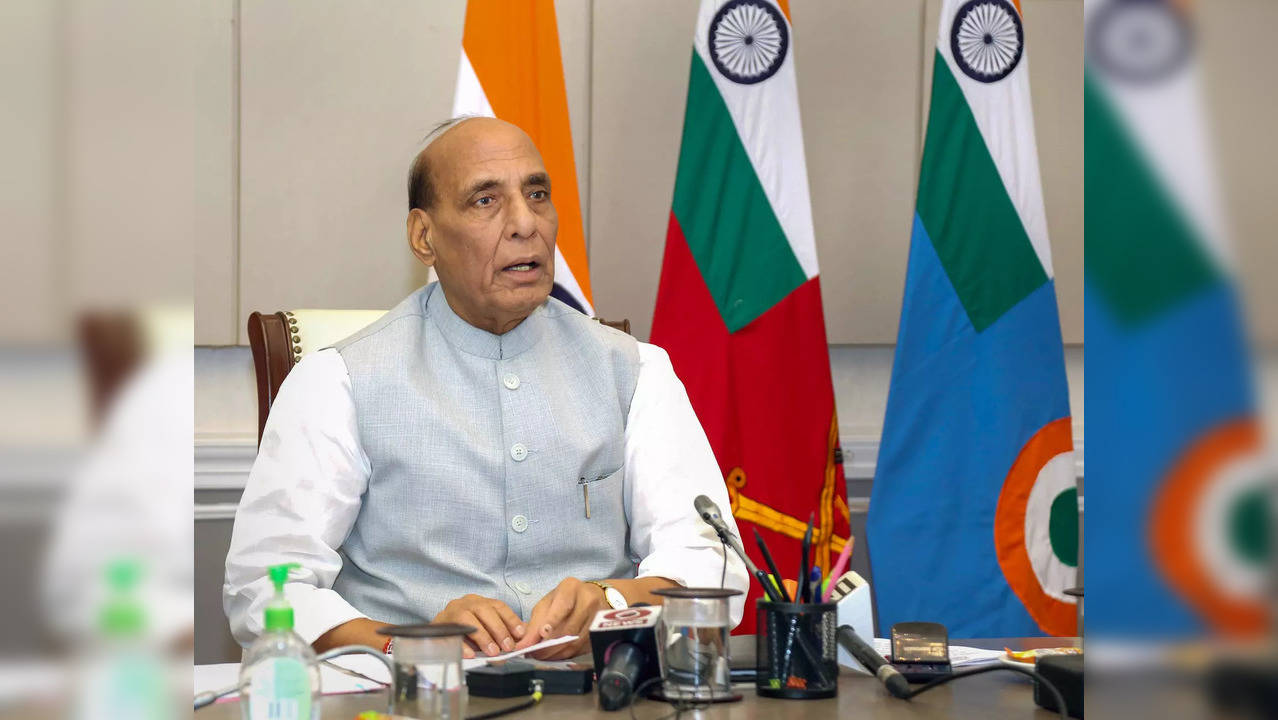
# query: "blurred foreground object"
128 517
1180 491
97 218
122 673
132 496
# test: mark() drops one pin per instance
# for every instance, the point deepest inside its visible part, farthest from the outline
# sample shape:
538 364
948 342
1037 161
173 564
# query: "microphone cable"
723 575
1057 697
537 687
679 706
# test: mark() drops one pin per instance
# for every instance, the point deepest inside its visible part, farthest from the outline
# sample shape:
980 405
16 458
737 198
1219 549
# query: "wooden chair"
280 339
112 347
115 344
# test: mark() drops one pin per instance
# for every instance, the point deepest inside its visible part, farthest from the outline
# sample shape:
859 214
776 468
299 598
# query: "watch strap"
605 587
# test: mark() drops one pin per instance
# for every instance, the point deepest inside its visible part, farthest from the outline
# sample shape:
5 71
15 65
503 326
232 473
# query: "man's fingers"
480 637
493 622
578 623
562 603
532 632
513 624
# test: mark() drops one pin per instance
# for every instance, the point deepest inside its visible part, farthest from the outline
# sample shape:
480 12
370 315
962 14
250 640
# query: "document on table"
373 668
484 660
960 655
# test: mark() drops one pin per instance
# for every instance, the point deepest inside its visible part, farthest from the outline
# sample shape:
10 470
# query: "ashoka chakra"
987 39
748 41
1139 41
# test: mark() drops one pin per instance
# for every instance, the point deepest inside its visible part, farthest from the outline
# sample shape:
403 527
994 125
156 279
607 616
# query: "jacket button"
523 587
519 523
518 451
510 380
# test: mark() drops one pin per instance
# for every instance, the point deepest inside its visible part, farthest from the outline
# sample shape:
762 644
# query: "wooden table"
993 695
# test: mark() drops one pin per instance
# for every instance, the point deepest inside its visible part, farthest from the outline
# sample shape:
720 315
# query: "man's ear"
419 236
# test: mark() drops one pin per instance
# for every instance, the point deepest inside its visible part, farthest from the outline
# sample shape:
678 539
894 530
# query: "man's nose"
522 221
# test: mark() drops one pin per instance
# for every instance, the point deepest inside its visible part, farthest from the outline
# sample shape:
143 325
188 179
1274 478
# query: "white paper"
481 660
215 677
960 655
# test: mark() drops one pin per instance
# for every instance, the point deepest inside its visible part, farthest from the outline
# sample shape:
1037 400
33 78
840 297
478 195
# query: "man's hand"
498 628
566 610
360 631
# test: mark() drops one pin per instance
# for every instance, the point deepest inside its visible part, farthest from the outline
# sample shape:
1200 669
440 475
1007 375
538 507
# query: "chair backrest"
115 344
112 348
280 339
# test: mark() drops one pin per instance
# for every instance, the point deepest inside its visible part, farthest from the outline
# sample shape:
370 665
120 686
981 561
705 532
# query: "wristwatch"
612 595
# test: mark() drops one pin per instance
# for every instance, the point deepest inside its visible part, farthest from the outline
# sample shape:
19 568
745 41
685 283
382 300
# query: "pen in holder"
796 652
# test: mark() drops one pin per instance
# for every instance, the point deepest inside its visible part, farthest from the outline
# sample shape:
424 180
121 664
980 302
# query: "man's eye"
484 201
538 194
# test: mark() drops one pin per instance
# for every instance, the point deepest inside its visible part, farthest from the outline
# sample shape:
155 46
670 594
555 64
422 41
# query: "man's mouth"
523 267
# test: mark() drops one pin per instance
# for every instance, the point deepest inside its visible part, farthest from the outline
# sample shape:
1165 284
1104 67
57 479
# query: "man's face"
492 227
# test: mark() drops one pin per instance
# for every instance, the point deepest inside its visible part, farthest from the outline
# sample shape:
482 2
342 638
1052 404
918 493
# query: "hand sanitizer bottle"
123 674
279 678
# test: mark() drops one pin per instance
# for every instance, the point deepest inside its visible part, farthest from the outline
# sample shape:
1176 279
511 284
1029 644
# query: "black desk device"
921 650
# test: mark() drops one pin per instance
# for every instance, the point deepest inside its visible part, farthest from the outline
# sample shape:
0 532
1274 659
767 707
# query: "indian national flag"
511 69
739 304
974 514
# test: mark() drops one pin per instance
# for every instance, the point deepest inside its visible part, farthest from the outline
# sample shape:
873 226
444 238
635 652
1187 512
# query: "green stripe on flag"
725 215
1139 252
965 208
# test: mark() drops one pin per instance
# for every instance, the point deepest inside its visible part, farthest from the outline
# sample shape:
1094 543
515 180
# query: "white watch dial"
615 598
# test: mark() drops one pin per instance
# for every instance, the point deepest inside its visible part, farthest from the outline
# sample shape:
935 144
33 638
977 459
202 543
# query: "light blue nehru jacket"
479 446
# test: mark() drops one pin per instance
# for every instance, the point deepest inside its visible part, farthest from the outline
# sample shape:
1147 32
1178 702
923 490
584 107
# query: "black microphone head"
620 675
706 508
624 645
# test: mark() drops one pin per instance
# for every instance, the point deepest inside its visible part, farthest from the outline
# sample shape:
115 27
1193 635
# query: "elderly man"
482 454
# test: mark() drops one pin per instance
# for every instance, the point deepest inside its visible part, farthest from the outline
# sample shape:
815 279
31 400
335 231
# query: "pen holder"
796 652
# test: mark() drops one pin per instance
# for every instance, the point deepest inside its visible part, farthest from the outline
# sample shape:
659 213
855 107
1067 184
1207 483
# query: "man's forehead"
485 147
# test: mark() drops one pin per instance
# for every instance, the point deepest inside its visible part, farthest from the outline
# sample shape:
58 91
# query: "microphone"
709 512
624 645
861 650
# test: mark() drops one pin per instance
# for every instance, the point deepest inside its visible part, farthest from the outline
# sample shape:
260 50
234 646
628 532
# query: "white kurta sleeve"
300 502
668 464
